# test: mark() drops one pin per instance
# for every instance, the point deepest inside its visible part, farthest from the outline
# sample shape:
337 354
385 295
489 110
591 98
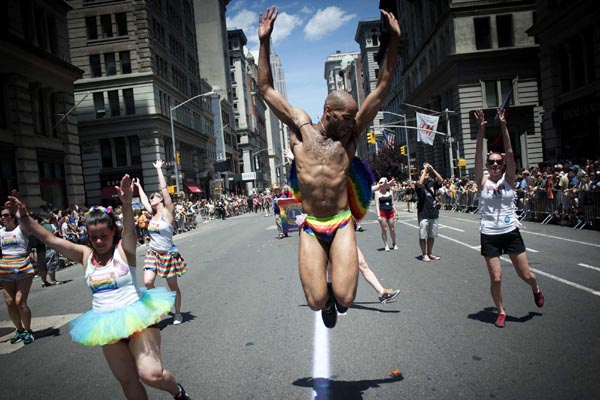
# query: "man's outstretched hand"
265 25
392 23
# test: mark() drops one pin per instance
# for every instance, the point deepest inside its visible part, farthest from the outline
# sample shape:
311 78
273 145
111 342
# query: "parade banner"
289 208
427 125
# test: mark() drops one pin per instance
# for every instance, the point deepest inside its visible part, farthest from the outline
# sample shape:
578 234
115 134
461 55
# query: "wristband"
23 216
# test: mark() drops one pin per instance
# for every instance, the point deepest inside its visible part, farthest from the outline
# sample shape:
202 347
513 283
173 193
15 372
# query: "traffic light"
178 158
403 150
371 137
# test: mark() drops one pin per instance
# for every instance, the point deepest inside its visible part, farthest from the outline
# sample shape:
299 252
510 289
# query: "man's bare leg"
312 264
344 266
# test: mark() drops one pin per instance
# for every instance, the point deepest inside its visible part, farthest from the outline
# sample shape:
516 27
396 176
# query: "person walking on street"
122 319
162 256
499 226
384 203
323 154
384 295
428 210
16 274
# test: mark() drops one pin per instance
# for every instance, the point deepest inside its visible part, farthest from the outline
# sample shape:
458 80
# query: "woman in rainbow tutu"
123 318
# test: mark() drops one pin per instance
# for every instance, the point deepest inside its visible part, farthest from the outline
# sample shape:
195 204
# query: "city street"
248 333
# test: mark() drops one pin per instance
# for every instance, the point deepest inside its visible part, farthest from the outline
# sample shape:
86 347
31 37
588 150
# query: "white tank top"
14 243
161 235
113 285
496 202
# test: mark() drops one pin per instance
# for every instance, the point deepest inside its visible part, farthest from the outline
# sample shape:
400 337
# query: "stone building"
140 62
569 41
459 56
39 143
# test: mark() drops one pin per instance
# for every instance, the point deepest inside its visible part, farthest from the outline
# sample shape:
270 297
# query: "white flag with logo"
427 125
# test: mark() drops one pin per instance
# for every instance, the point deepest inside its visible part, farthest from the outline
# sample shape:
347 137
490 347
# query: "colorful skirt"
98 329
166 265
16 265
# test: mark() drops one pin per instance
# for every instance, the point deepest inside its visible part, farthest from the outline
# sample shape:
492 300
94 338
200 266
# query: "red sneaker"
538 297
500 321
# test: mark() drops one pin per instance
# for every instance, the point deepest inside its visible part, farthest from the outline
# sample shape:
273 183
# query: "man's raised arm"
374 100
276 101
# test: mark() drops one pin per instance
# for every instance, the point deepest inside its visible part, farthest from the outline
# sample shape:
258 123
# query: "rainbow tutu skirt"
97 329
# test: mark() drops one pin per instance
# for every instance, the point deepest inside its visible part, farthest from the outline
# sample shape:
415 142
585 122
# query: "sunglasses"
5 215
492 162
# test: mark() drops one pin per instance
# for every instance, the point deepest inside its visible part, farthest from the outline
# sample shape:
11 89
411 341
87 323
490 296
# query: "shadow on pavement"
488 315
187 317
46 333
331 389
358 306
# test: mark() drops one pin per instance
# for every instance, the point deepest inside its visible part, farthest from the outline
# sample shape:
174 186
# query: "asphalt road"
248 333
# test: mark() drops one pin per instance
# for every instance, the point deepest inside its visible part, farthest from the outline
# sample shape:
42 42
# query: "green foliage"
388 162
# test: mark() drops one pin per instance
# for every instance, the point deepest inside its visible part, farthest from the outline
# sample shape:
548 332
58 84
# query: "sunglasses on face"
5 215
492 162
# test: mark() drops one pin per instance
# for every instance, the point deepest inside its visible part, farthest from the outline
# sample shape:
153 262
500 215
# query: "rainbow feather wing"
294 183
360 180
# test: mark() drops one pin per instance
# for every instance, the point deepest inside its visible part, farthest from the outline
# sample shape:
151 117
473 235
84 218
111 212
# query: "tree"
388 162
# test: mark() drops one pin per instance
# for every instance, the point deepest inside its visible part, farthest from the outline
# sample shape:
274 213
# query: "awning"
111 192
192 187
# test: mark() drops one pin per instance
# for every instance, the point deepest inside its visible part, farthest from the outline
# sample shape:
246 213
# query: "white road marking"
556 278
589 266
450 227
320 355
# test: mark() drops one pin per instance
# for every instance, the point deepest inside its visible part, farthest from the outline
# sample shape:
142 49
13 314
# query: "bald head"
340 100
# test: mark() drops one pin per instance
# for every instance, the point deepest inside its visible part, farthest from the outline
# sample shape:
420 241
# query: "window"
113 103
106 153
52 35
483 39
506 86
504 24
92 29
491 94
106 22
95 66
125 62
129 101
111 66
134 150
120 151
375 38
121 19
99 105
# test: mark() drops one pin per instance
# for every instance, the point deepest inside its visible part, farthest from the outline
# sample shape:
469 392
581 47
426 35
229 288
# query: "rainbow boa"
359 182
98 329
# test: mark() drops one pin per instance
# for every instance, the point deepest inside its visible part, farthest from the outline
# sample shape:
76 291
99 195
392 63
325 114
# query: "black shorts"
505 243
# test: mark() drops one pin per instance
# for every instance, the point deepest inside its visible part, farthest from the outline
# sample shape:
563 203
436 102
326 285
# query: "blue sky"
305 34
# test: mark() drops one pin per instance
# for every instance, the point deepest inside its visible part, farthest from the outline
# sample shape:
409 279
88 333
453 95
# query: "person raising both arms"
323 153
162 256
123 318
499 226
384 203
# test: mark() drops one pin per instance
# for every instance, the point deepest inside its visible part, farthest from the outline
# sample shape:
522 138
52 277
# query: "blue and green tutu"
97 329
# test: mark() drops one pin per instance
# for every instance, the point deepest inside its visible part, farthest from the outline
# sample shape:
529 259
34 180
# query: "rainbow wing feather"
360 180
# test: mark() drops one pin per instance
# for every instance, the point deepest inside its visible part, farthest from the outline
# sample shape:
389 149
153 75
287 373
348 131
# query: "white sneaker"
178 319
387 248
395 247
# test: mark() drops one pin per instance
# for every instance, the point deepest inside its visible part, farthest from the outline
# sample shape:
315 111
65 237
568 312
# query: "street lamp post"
171 109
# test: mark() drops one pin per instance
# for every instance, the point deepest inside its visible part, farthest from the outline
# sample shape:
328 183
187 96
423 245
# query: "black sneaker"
27 337
329 313
388 294
182 395
17 337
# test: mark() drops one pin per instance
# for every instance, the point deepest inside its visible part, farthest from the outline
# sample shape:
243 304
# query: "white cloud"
248 21
325 21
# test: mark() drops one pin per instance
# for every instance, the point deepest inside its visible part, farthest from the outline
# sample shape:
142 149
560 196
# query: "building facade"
569 41
140 65
39 143
459 56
